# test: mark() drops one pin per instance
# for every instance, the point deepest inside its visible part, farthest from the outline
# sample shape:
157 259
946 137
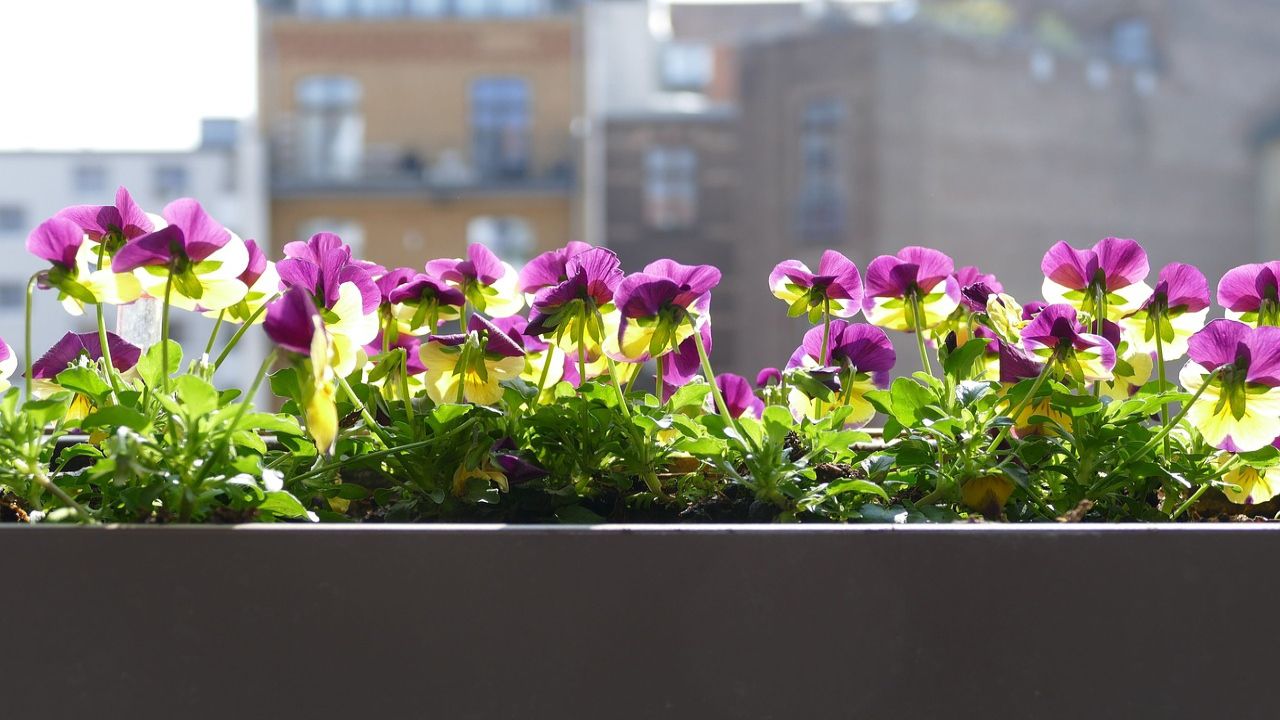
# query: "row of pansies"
571 391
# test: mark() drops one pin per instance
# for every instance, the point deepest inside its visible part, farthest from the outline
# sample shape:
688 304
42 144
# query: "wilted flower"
8 364
739 398
1176 309
549 268
1238 408
1249 293
1113 270
1056 335
915 281
569 309
203 258
836 287
342 289
295 324
74 348
489 284
470 366
661 306
861 355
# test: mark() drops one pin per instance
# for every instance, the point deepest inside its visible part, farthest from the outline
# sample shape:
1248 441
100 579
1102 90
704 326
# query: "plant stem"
164 332
213 336
659 382
1017 409
244 327
26 359
1190 501
62 495
721 406
365 457
1164 407
234 427
1164 431
918 323
546 369
404 388
102 330
373 426
826 329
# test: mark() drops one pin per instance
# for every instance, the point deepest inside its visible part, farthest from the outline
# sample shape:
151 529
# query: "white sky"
122 74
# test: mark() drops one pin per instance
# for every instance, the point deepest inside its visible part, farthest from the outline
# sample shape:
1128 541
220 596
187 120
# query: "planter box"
639 622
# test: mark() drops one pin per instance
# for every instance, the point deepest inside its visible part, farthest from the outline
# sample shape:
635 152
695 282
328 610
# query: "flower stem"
31 291
213 336
234 427
658 381
826 329
1190 501
1164 431
1164 407
378 454
546 369
404 388
1017 409
373 426
918 323
62 495
102 328
721 406
164 332
244 327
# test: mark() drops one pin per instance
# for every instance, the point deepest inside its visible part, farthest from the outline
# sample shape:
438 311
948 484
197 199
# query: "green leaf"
959 364
198 397
859 486
777 422
85 381
117 416
150 369
283 505
690 395
577 515
910 398
51 409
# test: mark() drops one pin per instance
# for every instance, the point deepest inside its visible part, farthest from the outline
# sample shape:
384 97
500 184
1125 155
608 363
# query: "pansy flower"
1112 271
660 307
835 289
489 284
540 356
860 355
200 258
910 290
1249 293
342 289
62 242
502 467
1056 335
1238 407
75 348
1176 309
683 364
8 364
976 289
571 310
113 225
1248 485
422 302
262 284
295 324
549 268
768 376
469 367
739 397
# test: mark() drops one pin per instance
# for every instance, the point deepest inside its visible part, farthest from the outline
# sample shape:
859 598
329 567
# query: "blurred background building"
736 133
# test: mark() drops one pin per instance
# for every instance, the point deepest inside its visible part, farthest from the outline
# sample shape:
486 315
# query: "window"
171 181
497 8
351 232
428 8
379 8
500 127
1131 43
671 187
89 178
12 296
324 8
686 66
330 127
510 238
13 218
820 211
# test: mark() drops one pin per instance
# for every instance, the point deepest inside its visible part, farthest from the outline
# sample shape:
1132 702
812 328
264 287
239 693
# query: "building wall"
416 74
953 142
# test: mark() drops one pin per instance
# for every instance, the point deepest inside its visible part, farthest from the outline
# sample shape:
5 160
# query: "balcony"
386 171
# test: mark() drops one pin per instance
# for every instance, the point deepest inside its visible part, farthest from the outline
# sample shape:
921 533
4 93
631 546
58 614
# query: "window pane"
500 127
820 211
671 187
330 127
686 66
89 178
171 181
12 218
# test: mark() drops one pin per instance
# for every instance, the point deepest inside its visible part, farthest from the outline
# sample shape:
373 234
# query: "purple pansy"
57 240
322 265
861 355
422 302
768 376
119 223
191 235
1112 271
591 277
73 346
516 469
293 320
1056 334
1251 293
660 306
739 397
550 268
916 281
837 286
1234 374
8 364
1176 309
488 283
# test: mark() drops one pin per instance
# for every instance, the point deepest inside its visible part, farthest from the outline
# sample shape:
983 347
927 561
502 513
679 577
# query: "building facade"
414 127
224 173
992 129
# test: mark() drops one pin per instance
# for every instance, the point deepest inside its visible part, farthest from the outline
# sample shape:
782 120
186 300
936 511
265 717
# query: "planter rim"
1031 529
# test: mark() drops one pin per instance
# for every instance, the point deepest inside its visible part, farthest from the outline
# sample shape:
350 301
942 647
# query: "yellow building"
412 127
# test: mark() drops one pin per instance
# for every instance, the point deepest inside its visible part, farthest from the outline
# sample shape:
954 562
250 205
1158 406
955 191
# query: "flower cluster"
541 373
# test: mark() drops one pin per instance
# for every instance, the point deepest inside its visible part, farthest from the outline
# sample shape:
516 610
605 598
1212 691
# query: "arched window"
330 127
510 238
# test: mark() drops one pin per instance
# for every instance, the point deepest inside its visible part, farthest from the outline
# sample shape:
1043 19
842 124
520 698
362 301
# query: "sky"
122 74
